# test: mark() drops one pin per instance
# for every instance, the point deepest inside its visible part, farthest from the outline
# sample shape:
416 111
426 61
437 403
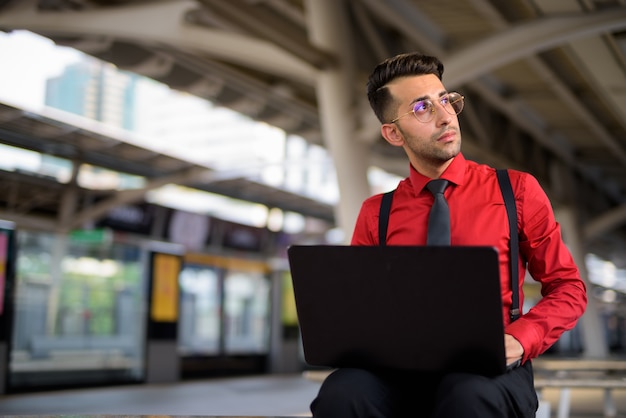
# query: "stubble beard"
434 153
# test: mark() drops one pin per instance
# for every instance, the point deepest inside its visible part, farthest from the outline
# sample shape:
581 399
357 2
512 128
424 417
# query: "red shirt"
478 217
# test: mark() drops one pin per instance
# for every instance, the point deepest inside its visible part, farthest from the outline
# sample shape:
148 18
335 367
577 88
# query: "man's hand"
513 349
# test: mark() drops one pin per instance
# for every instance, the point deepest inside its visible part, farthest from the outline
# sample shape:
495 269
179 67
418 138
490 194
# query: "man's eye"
421 107
445 100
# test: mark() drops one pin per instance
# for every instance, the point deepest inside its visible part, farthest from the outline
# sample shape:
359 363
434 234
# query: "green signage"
90 236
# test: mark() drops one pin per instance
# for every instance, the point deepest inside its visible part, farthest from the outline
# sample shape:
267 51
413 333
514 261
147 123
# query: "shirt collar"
455 173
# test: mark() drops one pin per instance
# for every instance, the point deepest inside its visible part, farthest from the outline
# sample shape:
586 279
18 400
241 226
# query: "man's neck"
430 170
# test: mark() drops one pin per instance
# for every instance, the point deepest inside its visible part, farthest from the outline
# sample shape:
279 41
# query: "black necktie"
439 219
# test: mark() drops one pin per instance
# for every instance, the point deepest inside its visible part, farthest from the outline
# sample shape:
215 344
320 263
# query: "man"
418 114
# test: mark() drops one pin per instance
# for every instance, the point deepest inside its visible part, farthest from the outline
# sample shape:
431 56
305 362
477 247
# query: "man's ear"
392 134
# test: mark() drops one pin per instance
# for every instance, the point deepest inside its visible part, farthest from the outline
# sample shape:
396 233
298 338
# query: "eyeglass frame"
434 109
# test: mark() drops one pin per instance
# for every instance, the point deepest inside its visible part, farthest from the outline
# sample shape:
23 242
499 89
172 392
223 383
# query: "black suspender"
383 220
509 202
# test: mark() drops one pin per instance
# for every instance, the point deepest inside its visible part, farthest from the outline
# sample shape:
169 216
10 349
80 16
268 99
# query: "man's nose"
441 115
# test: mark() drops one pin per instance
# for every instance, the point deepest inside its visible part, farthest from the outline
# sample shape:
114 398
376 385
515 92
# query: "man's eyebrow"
418 99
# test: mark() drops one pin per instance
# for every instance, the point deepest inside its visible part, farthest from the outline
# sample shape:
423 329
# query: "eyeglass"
424 110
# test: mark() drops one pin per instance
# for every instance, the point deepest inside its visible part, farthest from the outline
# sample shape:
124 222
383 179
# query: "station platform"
251 396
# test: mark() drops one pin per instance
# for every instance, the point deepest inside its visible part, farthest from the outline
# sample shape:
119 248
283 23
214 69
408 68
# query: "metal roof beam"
528 39
159 27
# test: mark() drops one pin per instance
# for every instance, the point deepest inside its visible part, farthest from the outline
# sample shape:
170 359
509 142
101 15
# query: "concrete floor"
274 395
259 396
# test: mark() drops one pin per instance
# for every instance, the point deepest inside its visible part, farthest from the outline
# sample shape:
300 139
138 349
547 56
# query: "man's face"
428 144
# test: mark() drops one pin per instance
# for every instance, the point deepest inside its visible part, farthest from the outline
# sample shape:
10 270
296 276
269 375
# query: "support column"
565 191
595 344
328 30
162 357
67 210
284 353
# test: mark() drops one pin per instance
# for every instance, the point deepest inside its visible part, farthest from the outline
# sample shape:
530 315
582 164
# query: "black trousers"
348 393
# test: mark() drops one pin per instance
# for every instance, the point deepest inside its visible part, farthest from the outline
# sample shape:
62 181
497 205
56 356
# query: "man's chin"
452 150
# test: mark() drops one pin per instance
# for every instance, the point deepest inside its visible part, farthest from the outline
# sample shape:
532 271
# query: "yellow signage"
166 268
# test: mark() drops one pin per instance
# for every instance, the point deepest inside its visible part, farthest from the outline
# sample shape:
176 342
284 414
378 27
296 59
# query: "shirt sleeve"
549 261
367 222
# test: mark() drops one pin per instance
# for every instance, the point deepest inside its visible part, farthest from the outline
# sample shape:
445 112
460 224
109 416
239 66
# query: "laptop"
409 308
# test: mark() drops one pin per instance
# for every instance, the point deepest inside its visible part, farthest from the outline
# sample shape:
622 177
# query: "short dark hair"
402 65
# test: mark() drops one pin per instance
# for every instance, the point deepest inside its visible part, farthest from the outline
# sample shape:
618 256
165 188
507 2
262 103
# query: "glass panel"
199 325
246 312
80 312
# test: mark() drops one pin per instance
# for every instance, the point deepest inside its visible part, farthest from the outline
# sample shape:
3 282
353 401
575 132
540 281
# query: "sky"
32 60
